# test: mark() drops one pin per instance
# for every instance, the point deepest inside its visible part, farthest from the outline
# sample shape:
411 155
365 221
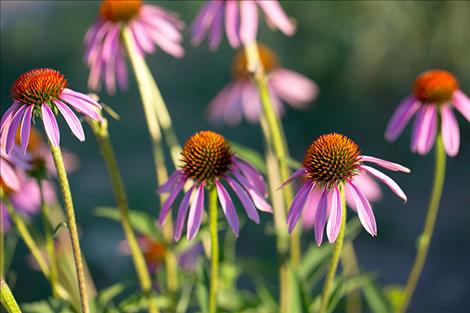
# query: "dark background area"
363 55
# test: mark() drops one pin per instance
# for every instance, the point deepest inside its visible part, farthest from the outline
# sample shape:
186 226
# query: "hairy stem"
72 225
214 279
424 239
330 276
100 129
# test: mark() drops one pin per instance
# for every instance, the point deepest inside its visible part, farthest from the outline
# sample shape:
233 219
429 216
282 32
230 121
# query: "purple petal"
277 16
424 129
71 119
386 180
310 210
297 174
8 175
82 107
110 44
462 103
15 121
292 87
228 207
252 174
171 47
258 199
204 21
297 205
8 115
400 118
171 182
251 102
50 125
334 220
248 22
168 202
26 128
368 186
182 211
195 213
232 23
81 96
216 30
450 131
140 33
162 25
385 164
364 210
244 199
320 218
121 71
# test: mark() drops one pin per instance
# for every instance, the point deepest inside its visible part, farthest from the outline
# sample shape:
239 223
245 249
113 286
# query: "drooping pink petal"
292 87
424 129
166 27
15 121
252 174
121 71
334 220
50 125
110 76
141 36
71 119
8 175
174 179
297 205
182 211
251 102
386 180
385 164
204 21
244 199
82 107
364 210
168 202
462 103
26 128
277 16
195 213
8 115
258 199
248 22
450 131
228 207
171 47
320 217
297 174
215 32
80 96
110 43
310 209
367 185
400 118
232 23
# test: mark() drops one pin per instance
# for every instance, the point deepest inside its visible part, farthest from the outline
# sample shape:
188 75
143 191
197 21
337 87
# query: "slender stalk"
2 239
425 238
50 244
214 279
72 225
330 276
153 103
102 136
7 299
351 268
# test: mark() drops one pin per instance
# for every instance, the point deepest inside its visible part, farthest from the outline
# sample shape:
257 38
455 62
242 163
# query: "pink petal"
297 174
297 205
182 211
462 103
450 131
26 128
173 48
8 115
248 22
82 107
277 16
110 44
292 87
204 21
140 36
252 174
400 118
174 179
244 199
424 129
258 199
232 23
195 213
386 180
385 164
310 209
81 96
251 102
13 127
164 26
320 217
8 175
121 71
50 125
228 207
334 220
71 119
369 187
364 210
168 202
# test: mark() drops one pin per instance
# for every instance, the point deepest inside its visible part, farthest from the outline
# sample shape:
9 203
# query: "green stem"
50 245
102 136
330 276
153 104
350 269
2 241
214 279
72 225
425 239
7 299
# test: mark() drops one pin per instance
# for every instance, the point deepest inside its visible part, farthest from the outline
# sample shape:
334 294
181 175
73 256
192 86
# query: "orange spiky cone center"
435 87
267 56
119 10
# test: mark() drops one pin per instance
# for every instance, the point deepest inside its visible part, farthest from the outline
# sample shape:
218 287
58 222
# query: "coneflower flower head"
240 97
435 93
43 93
150 26
207 160
332 162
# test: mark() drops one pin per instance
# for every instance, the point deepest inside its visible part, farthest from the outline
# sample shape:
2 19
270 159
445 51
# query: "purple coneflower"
330 163
149 25
240 19
207 161
10 166
44 93
435 92
241 98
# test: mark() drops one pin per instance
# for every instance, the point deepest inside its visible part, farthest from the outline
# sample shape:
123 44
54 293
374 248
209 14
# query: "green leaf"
47 306
395 294
375 298
313 258
297 296
7 299
202 297
250 155
106 295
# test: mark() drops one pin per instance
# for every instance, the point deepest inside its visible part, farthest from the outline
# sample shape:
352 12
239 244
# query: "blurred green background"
363 55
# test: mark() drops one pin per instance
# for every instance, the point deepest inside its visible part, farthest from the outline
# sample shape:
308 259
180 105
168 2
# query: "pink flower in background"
44 93
10 167
207 159
150 26
240 20
331 162
241 98
435 93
